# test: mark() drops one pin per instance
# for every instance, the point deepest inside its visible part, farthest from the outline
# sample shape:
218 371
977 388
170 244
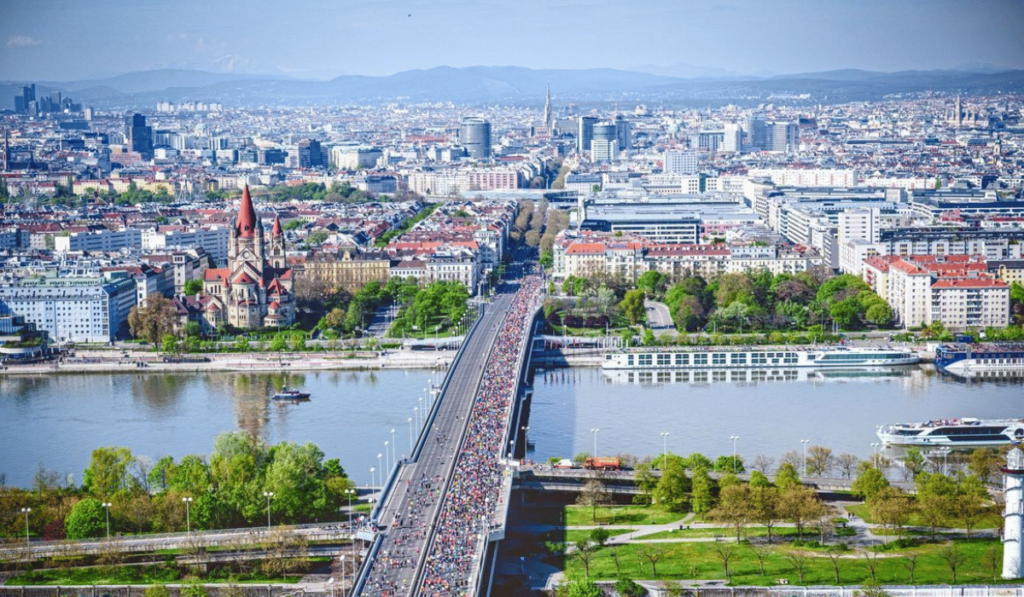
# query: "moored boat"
969 360
291 394
965 432
761 358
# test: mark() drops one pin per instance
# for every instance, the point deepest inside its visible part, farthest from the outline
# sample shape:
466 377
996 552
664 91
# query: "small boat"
291 394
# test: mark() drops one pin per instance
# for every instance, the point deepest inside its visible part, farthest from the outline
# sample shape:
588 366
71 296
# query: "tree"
702 492
108 471
652 554
632 306
673 489
628 588
913 463
156 591
869 483
192 288
734 507
819 460
580 588
834 556
725 551
847 464
652 282
594 494
951 555
799 504
599 536
761 552
764 464
154 320
87 519
585 553
764 506
798 561
909 561
984 464
786 477
970 502
892 508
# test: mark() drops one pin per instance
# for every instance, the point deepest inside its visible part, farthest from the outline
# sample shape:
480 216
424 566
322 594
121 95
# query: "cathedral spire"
277 231
548 116
246 222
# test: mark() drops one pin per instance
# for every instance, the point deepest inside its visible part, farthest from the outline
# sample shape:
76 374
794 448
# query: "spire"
277 231
246 219
548 116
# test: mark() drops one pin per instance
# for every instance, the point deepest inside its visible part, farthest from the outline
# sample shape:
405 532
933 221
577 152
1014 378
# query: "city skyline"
50 40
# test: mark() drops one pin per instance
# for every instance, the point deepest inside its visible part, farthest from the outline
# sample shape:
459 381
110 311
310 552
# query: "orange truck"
605 464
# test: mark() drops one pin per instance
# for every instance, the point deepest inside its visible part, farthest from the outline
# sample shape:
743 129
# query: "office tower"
680 162
784 136
475 136
623 132
310 154
733 140
549 117
585 133
140 136
605 144
756 129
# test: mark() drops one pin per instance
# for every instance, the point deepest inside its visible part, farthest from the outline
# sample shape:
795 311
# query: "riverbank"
96 361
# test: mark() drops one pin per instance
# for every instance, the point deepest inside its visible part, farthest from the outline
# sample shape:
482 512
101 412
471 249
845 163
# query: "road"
658 318
412 507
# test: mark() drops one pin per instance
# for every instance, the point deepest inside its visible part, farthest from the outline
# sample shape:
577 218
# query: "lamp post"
410 435
188 514
387 456
526 438
373 476
394 448
268 495
106 506
805 442
25 511
734 439
416 415
595 431
380 468
664 450
349 493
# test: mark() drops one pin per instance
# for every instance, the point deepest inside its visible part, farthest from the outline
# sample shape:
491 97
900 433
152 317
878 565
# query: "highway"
411 511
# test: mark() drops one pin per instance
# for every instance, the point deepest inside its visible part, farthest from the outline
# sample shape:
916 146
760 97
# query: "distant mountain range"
679 84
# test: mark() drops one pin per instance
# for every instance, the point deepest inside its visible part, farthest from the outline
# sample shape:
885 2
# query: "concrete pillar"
1013 515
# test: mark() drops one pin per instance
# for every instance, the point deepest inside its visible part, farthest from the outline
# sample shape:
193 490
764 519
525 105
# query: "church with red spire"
256 289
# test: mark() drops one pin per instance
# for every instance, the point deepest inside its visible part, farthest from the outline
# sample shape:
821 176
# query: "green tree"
673 489
734 507
703 491
192 288
786 476
594 494
628 588
632 306
86 519
580 588
169 344
156 591
869 483
652 282
108 471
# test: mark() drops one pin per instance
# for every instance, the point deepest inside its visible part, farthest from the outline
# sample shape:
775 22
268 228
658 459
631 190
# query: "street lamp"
595 431
25 511
664 450
805 442
416 415
410 435
268 495
106 506
373 476
349 493
380 468
526 437
734 439
387 456
188 515
394 456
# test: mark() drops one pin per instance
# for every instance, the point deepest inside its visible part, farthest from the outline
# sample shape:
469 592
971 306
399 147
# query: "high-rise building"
549 117
733 140
783 136
623 132
585 133
756 129
310 154
475 136
140 136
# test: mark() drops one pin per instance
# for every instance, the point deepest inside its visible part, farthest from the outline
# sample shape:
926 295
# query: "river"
56 421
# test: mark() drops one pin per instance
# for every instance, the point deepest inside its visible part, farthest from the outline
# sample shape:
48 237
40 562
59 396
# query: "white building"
681 162
971 303
73 309
213 240
99 240
814 177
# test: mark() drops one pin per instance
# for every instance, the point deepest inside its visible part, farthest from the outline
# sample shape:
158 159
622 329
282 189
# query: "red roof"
969 283
246 223
277 227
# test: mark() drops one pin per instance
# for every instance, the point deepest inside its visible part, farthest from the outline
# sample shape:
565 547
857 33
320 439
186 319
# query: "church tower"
549 117
277 249
1013 515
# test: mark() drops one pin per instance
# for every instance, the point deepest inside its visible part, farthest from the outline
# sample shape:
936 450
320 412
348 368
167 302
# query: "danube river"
56 421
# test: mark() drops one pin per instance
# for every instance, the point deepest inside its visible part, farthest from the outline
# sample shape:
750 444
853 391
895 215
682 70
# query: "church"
256 289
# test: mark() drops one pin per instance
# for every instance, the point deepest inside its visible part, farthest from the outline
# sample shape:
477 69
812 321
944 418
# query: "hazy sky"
68 39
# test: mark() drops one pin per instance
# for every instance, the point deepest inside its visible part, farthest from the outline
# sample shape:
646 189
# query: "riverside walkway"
441 507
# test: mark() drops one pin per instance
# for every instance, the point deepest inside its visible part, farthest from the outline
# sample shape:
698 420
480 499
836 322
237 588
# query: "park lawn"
988 520
583 515
706 532
131 575
574 536
698 561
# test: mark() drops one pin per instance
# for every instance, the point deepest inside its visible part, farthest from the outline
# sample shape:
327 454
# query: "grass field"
699 561
583 515
707 532
990 520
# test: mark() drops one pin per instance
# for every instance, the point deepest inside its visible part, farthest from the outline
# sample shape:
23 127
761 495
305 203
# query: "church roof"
277 231
246 222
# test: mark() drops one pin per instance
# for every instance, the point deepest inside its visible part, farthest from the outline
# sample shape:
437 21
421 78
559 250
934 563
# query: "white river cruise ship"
760 358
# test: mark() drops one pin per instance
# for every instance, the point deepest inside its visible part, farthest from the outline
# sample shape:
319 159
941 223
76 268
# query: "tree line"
226 490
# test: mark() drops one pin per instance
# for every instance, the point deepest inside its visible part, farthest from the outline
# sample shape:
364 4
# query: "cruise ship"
965 432
751 376
981 360
766 358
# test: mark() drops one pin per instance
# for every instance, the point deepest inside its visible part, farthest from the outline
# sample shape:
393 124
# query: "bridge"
440 510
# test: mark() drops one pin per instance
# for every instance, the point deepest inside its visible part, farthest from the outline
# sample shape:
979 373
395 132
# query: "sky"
63 40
